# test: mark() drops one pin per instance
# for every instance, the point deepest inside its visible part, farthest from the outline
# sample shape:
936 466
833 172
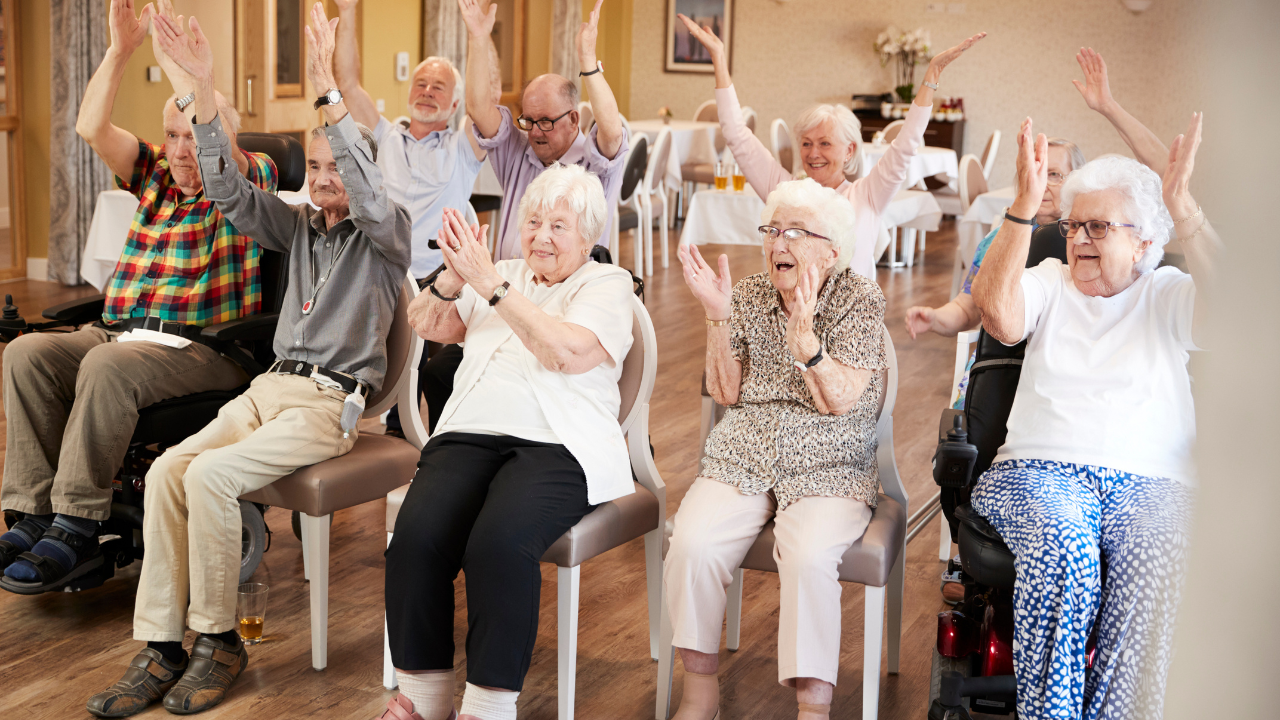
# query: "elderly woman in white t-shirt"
527 443
1097 463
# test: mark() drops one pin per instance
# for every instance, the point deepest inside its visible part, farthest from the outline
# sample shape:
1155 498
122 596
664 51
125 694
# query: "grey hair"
365 133
1144 201
230 116
830 207
1073 151
842 119
568 89
459 94
574 186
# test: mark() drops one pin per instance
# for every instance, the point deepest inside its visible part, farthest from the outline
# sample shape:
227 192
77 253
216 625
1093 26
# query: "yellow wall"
35 122
613 48
387 28
537 49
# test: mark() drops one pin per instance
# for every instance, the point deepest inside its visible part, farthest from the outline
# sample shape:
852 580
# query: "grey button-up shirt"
354 269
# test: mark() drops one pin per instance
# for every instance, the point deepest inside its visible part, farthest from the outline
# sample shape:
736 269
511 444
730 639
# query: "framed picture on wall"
684 52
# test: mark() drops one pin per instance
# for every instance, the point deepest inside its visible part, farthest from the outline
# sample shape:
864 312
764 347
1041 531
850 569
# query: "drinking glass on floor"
251 608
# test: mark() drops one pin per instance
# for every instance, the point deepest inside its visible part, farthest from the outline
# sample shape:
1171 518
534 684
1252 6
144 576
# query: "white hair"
1073 151
458 88
843 121
574 186
832 209
365 132
230 116
1144 201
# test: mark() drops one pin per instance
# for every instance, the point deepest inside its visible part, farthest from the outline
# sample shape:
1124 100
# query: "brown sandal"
214 666
147 680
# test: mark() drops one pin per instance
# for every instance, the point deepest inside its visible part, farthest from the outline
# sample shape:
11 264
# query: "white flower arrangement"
907 49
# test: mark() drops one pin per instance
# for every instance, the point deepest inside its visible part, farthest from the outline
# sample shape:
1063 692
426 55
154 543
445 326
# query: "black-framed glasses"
1095 229
544 124
769 233
1056 178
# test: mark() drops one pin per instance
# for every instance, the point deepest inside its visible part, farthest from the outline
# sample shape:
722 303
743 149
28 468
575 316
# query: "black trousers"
489 506
435 380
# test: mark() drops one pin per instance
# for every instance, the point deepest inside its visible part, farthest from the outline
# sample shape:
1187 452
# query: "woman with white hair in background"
796 355
527 443
827 139
1097 464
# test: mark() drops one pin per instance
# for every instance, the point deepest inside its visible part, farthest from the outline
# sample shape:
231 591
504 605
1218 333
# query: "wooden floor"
58 649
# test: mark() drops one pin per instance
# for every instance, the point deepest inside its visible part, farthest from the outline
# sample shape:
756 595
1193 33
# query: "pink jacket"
870 195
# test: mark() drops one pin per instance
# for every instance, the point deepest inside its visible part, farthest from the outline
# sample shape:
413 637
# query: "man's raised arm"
117 147
479 16
346 68
603 103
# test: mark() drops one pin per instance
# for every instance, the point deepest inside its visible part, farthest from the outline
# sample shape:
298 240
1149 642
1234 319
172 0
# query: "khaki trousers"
191 529
716 525
71 401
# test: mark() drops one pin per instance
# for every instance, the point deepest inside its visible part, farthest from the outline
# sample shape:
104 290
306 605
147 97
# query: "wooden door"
273 93
13 238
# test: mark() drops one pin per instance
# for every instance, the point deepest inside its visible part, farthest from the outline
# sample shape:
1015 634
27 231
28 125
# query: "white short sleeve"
1176 293
1038 285
603 306
466 304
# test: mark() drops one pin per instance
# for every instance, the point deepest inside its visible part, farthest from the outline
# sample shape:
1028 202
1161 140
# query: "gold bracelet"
1198 211
717 323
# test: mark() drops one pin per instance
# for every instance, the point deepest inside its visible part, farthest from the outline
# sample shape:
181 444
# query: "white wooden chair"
653 192
892 129
586 117
780 139
989 154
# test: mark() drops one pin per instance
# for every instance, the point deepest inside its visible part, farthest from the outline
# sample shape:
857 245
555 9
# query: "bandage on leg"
701 700
489 704
430 692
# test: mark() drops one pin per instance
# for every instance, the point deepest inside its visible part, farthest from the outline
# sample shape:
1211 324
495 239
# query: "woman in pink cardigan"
827 138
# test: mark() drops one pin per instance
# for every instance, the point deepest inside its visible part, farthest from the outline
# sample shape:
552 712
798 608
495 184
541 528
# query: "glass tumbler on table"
722 175
251 608
739 180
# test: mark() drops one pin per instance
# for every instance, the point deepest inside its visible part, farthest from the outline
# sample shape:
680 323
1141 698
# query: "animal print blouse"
775 438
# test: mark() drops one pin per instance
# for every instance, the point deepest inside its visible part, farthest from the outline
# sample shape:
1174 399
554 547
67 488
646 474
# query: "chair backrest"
586 116
989 153
892 129
639 368
749 118
636 165
1046 242
972 182
706 112
404 351
890 480
656 170
286 152
780 139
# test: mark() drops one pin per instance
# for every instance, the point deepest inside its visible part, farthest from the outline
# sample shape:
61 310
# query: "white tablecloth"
929 161
976 222
691 141
110 229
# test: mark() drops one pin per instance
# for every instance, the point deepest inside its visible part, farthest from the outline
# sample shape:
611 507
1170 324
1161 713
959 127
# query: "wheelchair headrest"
286 152
1047 242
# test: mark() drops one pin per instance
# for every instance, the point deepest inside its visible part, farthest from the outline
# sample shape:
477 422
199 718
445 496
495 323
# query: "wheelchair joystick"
954 460
11 323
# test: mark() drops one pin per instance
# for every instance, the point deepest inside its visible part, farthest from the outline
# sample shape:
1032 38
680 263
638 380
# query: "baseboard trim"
37 268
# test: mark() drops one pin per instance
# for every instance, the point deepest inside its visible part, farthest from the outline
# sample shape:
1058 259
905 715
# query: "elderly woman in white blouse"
1097 464
827 139
796 355
527 443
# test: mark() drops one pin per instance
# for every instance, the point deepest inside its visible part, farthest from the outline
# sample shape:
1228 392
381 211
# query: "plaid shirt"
183 261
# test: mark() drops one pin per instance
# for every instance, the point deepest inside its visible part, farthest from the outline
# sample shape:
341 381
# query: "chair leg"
388 670
315 538
893 621
921 245
665 253
944 535
733 612
909 246
567 580
666 663
638 236
653 579
872 636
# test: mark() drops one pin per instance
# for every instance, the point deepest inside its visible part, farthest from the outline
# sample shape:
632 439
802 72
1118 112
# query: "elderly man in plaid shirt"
71 400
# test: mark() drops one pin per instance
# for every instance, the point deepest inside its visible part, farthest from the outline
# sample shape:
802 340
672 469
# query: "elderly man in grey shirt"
347 262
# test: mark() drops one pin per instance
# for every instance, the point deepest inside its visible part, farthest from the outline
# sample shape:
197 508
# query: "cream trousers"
191 527
716 525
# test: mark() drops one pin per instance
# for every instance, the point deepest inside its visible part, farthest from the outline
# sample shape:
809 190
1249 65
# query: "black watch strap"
1007 216
436 292
500 293
815 359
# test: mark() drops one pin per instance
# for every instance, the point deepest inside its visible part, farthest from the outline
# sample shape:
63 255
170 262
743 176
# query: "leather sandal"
401 708
147 680
53 576
214 666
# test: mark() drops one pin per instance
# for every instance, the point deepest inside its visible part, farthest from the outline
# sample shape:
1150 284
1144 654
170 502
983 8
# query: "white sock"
431 693
489 704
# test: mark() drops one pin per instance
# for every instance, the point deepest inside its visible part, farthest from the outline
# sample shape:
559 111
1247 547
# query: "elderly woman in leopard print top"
796 355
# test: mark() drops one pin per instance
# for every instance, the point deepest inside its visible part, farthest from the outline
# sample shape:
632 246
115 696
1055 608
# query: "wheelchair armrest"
947 422
253 327
76 312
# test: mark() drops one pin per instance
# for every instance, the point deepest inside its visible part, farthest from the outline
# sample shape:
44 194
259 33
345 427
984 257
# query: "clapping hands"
714 291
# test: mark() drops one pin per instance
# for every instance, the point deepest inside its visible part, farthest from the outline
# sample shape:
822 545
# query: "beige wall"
787 56
389 27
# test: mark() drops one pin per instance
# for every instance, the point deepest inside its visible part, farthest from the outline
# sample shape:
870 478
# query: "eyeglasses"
545 124
1095 229
1056 178
768 233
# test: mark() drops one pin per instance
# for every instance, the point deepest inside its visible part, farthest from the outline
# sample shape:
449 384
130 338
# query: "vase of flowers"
665 113
904 49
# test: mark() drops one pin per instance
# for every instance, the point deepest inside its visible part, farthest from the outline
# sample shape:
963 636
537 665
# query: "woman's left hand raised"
948 56
1177 177
801 340
466 255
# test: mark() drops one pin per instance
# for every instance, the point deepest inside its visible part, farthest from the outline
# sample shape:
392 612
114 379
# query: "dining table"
691 141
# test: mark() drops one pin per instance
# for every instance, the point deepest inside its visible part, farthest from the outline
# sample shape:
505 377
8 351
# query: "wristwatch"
499 293
804 367
185 100
333 97
599 68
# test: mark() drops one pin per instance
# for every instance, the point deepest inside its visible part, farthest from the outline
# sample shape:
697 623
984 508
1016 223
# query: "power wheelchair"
246 340
973 661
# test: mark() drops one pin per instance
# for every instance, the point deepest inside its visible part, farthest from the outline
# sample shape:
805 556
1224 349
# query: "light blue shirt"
426 176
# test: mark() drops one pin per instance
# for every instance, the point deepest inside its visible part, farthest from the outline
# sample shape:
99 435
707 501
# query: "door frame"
11 122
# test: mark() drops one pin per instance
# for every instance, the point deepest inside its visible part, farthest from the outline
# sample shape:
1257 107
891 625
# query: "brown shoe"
214 666
148 678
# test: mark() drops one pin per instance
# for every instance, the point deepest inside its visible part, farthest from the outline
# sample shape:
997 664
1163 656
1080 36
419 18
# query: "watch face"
501 291
334 96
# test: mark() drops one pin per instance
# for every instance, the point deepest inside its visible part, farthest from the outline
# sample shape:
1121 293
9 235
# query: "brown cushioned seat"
704 173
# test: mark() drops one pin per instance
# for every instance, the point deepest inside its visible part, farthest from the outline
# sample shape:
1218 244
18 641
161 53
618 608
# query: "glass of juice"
722 175
739 180
251 608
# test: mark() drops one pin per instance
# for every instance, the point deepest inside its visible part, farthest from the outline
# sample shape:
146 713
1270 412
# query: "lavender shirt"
516 166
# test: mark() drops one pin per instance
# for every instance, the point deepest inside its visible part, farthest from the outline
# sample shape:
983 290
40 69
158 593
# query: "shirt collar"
572 156
433 135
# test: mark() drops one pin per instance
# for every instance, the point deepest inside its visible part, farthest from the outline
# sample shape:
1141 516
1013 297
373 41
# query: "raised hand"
948 56
466 255
919 320
587 35
128 31
320 45
190 52
479 16
715 292
1177 177
1096 90
1032 172
801 340
709 40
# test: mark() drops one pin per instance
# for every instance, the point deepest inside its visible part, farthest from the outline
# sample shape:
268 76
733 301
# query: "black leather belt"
348 383
151 322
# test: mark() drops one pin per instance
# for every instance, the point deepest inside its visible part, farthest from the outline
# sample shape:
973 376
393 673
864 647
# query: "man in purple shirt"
547 130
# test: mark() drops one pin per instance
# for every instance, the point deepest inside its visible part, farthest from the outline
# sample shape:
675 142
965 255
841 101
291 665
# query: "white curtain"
78 31
444 34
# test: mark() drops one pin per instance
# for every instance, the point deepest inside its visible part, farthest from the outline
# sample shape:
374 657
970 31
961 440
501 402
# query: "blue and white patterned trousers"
1059 519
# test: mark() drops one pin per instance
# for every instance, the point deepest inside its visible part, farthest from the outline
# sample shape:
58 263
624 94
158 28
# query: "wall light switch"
382 105
936 8
955 8
402 66
153 73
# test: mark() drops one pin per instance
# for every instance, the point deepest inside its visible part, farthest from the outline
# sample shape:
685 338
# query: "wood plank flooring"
58 649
